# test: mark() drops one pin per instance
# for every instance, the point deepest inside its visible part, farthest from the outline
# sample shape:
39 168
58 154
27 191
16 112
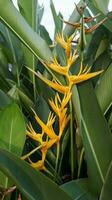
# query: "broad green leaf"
45 35
43 88
33 184
106 192
11 40
28 9
19 96
3 62
11 48
4 84
102 62
27 102
57 21
13 19
42 109
4 99
110 121
12 133
78 189
94 44
103 90
95 135
101 5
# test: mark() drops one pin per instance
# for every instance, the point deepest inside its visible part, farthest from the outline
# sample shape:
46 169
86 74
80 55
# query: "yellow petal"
63 125
37 137
83 77
46 129
55 66
66 44
53 106
66 100
72 58
51 119
60 39
56 86
49 144
38 165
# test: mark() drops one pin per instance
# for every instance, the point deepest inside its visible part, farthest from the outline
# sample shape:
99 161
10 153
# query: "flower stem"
57 158
31 152
71 141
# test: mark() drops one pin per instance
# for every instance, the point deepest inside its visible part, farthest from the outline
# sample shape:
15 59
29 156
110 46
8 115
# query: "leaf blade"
33 184
12 134
23 31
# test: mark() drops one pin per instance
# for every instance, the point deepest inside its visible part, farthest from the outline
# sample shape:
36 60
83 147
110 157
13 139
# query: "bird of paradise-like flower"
59 105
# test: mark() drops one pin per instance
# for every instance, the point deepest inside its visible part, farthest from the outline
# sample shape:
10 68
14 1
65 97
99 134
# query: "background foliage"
85 160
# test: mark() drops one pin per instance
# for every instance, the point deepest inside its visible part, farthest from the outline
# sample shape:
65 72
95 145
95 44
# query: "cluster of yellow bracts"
59 105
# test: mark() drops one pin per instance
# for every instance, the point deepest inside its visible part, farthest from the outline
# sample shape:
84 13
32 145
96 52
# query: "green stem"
71 140
53 172
80 162
31 152
18 79
34 88
57 158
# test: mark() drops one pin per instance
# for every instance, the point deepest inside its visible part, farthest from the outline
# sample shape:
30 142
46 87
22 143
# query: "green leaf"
4 99
42 109
94 44
75 17
4 84
11 48
33 184
101 5
57 21
103 90
12 133
11 40
13 19
95 134
78 189
28 9
45 35
110 121
106 192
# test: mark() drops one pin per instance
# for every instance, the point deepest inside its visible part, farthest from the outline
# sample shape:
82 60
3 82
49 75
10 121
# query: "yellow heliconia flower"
56 86
66 44
74 79
63 70
60 108
55 66
64 119
58 105
47 138
66 99
72 58
39 164
46 128
32 134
